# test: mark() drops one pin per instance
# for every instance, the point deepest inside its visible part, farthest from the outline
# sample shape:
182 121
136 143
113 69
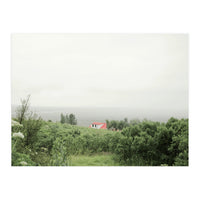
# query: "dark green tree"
72 119
69 119
62 119
107 123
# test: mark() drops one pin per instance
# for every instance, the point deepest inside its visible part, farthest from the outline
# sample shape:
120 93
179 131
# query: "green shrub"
20 159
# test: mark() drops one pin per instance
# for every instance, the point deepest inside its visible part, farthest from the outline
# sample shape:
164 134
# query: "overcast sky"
143 71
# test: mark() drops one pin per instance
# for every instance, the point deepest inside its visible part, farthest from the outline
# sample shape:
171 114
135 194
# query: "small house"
98 125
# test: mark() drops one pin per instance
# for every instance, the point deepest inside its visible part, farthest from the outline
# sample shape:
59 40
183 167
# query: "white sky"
143 71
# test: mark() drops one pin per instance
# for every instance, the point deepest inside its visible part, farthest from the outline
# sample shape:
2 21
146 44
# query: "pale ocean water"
85 116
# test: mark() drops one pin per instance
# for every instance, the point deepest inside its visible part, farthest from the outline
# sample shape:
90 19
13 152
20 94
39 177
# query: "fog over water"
86 116
102 76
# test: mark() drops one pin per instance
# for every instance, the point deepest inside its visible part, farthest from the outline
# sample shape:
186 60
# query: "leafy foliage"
20 159
117 125
151 143
143 143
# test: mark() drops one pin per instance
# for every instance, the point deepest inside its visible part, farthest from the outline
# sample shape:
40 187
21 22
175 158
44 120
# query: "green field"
100 159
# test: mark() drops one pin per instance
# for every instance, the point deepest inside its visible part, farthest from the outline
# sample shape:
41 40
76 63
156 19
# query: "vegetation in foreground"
97 159
36 142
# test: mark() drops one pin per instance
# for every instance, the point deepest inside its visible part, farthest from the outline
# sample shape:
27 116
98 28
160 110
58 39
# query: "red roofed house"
98 125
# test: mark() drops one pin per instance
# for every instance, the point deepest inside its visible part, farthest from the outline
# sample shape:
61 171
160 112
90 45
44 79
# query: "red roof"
99 123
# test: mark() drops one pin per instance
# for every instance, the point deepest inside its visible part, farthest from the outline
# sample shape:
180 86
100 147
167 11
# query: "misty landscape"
99 99
88 115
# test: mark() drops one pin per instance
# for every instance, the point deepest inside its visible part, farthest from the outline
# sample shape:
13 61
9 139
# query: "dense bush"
151 143
117 125
146 143
178 150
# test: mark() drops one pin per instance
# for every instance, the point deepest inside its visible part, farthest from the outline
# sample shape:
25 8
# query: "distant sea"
85 116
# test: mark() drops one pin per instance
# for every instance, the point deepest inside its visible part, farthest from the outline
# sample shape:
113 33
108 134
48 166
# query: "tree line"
121 124
69 119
